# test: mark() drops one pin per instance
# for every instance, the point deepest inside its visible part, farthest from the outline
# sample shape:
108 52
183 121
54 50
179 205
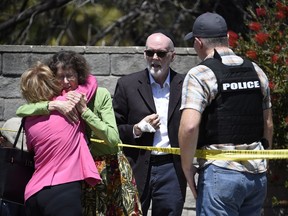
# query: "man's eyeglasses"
160 54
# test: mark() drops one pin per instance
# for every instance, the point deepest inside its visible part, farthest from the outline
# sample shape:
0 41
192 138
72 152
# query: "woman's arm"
102 119
66 108
40 108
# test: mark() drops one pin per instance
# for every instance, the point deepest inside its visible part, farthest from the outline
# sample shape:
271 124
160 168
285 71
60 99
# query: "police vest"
236 114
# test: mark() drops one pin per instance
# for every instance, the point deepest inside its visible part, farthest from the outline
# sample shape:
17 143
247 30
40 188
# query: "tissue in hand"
146 127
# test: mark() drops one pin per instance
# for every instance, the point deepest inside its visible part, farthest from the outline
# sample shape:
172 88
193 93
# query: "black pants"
11 209
59 200
164 190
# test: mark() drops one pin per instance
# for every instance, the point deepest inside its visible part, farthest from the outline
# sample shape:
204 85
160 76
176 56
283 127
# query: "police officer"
226 105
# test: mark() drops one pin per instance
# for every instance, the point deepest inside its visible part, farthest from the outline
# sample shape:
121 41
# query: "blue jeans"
227 192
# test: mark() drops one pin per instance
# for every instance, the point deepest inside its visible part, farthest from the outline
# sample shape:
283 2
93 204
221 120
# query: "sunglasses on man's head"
160 54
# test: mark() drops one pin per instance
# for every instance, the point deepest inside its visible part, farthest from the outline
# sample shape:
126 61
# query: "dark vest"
236 114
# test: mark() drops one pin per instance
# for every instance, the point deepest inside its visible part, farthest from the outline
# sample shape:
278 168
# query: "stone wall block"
11 106
2 108
9 87
14 64
100 63
182 64
108 82
127 63
1 69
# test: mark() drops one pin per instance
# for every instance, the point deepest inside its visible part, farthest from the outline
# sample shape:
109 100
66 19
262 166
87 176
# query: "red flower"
280 6
277 48
280 15
274 58
233 38
261 11
271 85
261 38
233 35
251 54
286 120
255 26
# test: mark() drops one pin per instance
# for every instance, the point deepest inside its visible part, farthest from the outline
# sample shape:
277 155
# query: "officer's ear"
198 41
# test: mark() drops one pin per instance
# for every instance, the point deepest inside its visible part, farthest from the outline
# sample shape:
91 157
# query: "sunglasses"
160 54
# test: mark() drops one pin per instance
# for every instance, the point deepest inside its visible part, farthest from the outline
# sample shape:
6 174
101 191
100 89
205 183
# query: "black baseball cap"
208 25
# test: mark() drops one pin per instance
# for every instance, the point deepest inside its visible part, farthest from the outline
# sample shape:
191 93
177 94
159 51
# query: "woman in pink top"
62 158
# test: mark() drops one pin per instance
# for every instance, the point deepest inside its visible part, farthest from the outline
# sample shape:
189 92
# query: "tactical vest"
236 114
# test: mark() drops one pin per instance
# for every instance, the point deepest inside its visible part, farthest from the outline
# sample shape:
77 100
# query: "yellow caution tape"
151 148
238 155
235 155
5 129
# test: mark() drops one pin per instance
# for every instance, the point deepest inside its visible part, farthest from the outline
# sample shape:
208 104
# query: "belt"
161 159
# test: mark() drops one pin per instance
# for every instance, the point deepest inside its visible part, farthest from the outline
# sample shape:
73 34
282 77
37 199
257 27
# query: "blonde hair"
39 84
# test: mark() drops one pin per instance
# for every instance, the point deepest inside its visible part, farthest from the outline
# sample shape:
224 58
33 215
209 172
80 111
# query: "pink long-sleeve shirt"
61 151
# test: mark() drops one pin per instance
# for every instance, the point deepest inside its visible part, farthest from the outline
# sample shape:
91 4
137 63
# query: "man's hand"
153 120
192 184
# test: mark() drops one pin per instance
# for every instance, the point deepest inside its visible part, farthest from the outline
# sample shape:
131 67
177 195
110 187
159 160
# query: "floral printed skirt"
117 193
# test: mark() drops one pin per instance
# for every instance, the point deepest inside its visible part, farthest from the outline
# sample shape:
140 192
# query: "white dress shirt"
161 100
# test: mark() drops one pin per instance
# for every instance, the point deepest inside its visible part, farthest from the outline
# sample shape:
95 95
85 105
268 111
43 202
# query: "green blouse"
99 116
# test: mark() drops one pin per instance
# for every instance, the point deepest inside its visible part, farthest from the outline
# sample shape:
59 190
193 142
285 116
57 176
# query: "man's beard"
155 73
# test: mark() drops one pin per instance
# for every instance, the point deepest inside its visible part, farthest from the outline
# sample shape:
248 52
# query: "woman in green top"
117 193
